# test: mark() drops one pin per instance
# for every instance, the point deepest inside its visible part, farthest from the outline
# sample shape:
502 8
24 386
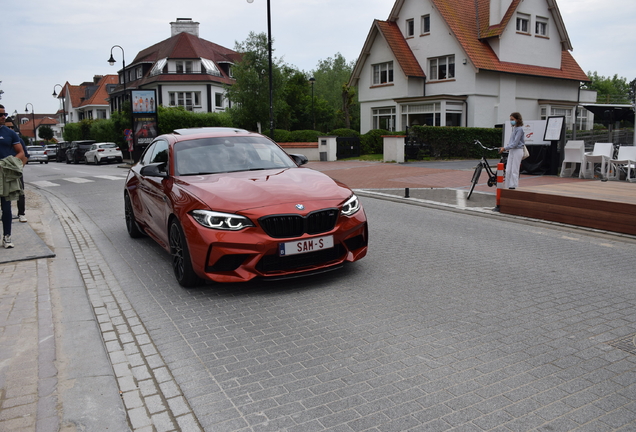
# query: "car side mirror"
154 170
299 159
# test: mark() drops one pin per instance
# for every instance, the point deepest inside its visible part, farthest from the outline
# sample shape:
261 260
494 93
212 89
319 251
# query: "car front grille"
286 226
273 263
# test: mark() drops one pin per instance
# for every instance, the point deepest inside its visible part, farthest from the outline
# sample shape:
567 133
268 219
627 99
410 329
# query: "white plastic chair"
602 153
626 160
573 154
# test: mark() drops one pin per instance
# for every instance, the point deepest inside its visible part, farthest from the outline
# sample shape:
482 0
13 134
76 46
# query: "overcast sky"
51 42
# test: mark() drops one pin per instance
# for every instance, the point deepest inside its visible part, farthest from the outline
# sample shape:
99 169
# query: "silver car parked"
37 154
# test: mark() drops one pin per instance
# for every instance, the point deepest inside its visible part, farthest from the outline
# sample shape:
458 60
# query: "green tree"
331 75
249 94
45 132
610 89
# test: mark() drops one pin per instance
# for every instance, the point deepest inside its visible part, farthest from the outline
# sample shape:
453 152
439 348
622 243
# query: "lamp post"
269 53
312 80
63 102
111 61
35 130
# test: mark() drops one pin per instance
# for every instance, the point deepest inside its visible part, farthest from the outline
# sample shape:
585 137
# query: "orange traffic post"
500 182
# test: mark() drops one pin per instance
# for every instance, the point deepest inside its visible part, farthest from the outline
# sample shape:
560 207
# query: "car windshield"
35 148
108 146
228 154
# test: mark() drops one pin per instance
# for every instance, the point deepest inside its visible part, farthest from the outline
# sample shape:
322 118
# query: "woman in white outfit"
515 151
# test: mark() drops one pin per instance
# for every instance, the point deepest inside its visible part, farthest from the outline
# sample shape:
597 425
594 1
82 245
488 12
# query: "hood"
240 191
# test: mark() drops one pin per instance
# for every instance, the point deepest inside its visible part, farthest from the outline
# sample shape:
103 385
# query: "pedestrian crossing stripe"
78 180
45 183
109 177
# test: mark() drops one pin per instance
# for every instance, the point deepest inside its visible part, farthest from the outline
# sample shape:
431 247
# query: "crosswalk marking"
78 180
43 183
109 177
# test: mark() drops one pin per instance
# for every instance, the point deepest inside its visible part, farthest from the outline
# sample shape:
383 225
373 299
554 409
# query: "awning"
610 113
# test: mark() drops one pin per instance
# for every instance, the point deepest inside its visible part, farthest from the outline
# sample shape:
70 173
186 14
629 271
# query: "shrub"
344 132
304 136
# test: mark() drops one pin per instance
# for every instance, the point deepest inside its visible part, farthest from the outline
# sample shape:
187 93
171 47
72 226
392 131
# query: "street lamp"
312 80
63 101
269 53
35 130
111 61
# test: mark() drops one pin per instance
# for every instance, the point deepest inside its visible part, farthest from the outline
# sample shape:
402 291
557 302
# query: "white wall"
529 48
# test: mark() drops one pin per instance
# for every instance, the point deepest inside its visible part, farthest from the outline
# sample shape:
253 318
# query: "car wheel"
67 160
46 162
131 222
181 262
96 161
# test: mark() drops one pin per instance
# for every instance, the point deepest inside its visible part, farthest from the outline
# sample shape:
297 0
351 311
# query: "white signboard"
533 131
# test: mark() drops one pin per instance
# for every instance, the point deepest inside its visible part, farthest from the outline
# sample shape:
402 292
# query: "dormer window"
523 23
410 27
210 67
184 66
158 67
541 27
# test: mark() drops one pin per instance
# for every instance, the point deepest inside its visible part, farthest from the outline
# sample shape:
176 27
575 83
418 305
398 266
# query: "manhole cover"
626 343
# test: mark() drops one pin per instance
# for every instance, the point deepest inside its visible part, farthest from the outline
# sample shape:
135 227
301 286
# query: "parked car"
62 146
231 205
51 151
37 154
75 153
103 152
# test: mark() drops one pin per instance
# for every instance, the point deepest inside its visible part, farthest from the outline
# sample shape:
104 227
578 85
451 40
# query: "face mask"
513 122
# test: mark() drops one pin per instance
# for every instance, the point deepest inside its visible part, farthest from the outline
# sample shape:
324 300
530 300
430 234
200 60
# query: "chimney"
97 79
498 9
184 25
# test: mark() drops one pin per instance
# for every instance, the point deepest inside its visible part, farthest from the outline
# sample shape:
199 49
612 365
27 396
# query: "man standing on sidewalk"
9 146
22 199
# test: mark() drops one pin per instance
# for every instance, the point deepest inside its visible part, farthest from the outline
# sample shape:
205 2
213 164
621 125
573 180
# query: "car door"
153 194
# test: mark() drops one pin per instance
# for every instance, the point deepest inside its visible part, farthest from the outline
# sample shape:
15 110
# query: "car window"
109 146
227 154
160 152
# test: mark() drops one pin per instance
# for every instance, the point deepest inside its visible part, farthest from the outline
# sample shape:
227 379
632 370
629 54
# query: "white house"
88 100
468 63
184 69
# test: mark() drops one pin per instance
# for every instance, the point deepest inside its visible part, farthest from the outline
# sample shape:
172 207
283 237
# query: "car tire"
181 261
67 161
131 223
96 161
46 162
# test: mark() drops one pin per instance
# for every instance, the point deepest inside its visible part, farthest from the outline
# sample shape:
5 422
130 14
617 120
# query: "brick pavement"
379 175
442 379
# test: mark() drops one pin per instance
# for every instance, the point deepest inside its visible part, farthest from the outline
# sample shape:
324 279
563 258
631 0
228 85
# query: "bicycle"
481 165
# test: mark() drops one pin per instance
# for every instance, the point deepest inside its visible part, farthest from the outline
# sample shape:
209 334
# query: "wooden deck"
609 206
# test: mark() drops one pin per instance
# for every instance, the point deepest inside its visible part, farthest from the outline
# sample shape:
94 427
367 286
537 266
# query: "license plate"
305 246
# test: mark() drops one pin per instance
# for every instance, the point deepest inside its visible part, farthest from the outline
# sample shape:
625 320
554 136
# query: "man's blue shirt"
8 139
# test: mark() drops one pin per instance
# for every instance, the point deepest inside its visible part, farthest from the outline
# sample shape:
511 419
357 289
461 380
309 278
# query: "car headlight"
221 221
351 206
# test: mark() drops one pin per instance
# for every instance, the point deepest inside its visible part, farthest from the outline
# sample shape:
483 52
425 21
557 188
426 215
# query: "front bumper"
225 256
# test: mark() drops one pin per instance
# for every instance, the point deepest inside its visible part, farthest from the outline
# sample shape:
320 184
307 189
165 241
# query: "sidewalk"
54 372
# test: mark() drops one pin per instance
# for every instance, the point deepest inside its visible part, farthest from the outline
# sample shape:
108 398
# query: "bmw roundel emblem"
300 207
